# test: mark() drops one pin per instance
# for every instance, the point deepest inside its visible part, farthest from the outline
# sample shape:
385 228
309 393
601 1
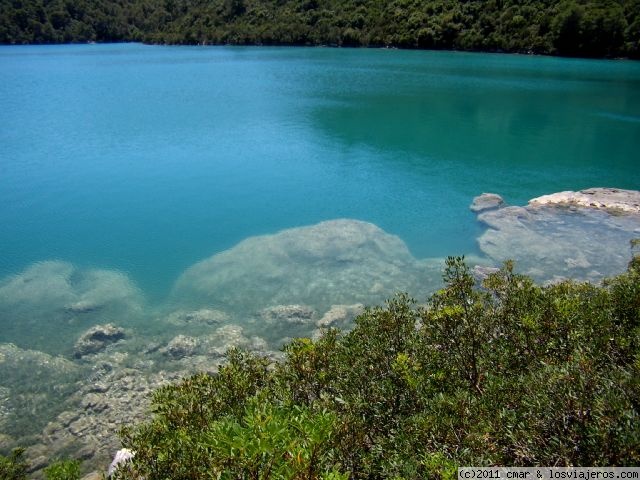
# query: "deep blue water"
147 159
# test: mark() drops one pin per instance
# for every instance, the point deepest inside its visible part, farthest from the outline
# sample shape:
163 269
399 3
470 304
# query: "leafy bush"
63 470
506 373
13 467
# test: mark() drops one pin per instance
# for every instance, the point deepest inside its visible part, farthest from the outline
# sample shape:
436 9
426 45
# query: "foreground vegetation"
592 28
508 374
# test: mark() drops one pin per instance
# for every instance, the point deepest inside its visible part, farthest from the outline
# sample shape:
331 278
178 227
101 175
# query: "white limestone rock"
614 199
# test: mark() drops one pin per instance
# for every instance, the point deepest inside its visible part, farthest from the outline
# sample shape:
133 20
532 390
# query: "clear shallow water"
147 159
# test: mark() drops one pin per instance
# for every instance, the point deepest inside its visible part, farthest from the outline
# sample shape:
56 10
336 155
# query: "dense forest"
590 28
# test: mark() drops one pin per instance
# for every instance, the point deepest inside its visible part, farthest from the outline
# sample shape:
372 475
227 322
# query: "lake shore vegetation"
583 28
503 373
494 372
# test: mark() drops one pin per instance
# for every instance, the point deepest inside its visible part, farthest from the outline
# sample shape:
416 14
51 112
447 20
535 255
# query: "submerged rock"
548 241
486 201
83 306
47 302
338 261
231 336
33 387
292 314
204 316
182 346
105 402
338 316
96 339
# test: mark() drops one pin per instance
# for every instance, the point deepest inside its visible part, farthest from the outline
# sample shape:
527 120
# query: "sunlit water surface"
161 189
122 166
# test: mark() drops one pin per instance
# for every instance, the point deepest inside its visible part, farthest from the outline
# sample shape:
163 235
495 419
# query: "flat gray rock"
615 199
333 262
486 201
565 236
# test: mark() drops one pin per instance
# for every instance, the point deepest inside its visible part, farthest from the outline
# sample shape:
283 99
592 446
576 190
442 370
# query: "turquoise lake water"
147 159
197 191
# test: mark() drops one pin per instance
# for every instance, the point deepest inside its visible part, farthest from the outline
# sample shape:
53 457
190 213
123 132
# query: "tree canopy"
590 28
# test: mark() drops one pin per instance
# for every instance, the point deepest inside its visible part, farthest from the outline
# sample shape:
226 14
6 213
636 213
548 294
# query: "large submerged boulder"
581 235
333 262
45 305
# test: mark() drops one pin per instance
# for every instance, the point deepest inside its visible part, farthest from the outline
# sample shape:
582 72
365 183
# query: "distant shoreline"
332 46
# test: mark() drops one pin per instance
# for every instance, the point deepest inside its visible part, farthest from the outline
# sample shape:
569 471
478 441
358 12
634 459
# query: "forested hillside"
599 28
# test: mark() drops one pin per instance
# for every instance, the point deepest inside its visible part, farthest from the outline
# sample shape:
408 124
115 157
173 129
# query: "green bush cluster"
506 373
592 28
15 467
65 469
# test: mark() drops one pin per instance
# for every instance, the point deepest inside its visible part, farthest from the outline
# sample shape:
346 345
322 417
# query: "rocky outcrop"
482 272
96 339
613 199
338 316
584 235
486 201
110 398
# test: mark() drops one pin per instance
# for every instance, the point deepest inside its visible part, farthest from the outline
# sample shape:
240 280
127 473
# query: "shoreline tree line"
582 28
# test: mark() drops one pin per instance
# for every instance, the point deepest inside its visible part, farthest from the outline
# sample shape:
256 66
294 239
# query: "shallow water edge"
82 349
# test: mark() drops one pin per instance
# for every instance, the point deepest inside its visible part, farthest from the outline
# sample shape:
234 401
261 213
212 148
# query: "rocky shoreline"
293 283
610 199
109 381
581 235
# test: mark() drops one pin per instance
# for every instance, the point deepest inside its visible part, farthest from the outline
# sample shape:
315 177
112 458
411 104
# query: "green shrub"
63 470
13 467
511 373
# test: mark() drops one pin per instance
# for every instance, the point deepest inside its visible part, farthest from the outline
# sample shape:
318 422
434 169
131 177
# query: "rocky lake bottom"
82 349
